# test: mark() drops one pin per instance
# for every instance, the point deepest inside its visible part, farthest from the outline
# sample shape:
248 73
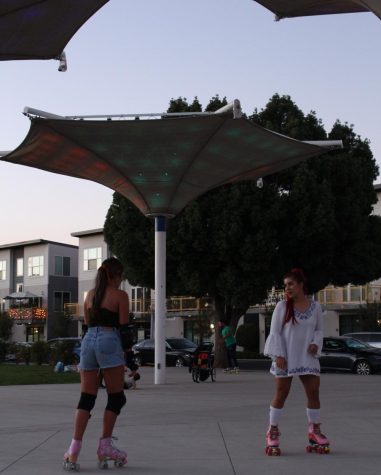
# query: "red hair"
297 275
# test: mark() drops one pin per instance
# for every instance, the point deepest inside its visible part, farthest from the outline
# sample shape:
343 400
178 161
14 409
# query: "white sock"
275 415
313 415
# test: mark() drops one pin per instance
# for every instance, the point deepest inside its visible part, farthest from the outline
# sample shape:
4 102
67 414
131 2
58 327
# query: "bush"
62 351
40 352
3 350
23 353
247 336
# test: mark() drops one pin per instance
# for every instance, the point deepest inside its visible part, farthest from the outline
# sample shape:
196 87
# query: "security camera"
63 63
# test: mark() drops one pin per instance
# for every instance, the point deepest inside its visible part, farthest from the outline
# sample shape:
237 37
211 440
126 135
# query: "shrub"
62 351
40 352
23 353
3 350
247 336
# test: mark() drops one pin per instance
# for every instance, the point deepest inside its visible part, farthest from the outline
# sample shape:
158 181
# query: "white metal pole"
160 308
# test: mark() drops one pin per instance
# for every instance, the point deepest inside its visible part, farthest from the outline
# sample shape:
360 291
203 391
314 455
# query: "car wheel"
179 362
363 367
138 360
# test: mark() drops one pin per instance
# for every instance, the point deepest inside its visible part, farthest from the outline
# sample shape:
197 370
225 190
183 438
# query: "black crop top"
104 318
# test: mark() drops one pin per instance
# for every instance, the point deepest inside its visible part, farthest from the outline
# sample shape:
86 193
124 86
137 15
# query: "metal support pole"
160 309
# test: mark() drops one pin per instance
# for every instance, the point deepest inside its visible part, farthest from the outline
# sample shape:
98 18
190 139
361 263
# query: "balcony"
176 306
28 314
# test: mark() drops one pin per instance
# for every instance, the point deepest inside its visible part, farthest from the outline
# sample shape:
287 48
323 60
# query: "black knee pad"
115 402
86 401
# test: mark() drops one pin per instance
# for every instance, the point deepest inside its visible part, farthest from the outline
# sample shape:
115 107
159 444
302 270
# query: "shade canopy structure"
159 165
40 29
297 8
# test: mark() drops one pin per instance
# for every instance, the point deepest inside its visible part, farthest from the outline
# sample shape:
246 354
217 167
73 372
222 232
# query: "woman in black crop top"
106 311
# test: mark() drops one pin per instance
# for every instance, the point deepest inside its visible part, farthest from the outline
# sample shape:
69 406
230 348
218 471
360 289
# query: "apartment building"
37 279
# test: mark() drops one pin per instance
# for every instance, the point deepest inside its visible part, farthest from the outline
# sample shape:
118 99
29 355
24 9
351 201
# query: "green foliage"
3 350
23 354
247 336
370 316
40 352
6 324
62 351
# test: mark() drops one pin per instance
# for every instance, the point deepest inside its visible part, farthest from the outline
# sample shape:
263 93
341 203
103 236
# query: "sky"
133 57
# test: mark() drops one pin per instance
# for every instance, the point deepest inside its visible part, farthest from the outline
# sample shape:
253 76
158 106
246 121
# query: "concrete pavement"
186 428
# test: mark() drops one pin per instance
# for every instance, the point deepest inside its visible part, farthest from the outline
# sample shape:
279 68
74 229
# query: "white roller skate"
318 441
70 458
272 441
107 451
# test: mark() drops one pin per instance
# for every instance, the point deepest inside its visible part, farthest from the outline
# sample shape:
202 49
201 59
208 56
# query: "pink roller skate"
318 441
107 451
272 441
70 458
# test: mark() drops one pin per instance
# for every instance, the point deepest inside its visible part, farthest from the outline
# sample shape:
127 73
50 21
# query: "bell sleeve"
274 346
318 333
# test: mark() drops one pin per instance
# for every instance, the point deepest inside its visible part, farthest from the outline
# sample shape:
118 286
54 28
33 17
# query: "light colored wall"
331 323
5 255
36 281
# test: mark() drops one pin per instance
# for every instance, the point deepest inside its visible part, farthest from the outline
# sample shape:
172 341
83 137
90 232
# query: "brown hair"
109 269
299 276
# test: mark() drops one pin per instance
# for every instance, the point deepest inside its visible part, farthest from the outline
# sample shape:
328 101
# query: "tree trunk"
229 315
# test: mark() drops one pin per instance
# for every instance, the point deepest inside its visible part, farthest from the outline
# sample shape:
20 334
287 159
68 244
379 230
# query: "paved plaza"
183 428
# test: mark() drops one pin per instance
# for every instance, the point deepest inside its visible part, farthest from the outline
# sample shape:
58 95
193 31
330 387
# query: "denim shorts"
101 348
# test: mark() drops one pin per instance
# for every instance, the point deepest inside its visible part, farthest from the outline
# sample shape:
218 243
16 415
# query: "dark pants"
232 358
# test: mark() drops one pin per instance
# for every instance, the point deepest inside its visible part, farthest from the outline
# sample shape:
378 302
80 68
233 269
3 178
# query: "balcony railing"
348 295
28 314
181 305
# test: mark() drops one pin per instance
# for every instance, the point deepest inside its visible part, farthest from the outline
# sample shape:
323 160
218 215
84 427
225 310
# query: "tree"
6 324
234 242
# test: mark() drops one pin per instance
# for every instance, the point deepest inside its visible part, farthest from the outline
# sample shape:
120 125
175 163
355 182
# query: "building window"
20 267
34 334
61 265
60 299
3 270
19 287
92 258
36 266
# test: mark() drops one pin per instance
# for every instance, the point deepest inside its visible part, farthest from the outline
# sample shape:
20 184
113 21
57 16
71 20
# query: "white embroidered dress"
292 340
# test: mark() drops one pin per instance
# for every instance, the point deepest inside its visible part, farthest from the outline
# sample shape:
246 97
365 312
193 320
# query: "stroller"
201 366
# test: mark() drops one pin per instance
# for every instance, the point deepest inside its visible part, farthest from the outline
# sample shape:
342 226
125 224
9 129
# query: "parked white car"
372 338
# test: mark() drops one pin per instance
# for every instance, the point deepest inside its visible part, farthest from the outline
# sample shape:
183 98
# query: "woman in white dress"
294 344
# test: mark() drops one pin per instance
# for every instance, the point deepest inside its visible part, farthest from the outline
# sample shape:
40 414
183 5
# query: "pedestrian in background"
231 347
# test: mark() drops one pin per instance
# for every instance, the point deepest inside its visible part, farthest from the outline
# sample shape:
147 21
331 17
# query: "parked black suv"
178 351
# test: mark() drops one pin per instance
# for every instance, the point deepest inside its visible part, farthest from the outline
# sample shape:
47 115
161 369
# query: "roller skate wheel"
119 463
70 466
270 451
103 464
309 449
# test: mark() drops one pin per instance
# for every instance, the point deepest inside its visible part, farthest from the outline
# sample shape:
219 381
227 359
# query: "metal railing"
348 295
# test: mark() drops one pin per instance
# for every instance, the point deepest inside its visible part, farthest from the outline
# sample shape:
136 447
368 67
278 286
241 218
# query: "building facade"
37 279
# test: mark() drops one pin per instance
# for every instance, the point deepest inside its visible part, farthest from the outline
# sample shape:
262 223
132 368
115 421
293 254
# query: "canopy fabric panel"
296 8
159 165
40 29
